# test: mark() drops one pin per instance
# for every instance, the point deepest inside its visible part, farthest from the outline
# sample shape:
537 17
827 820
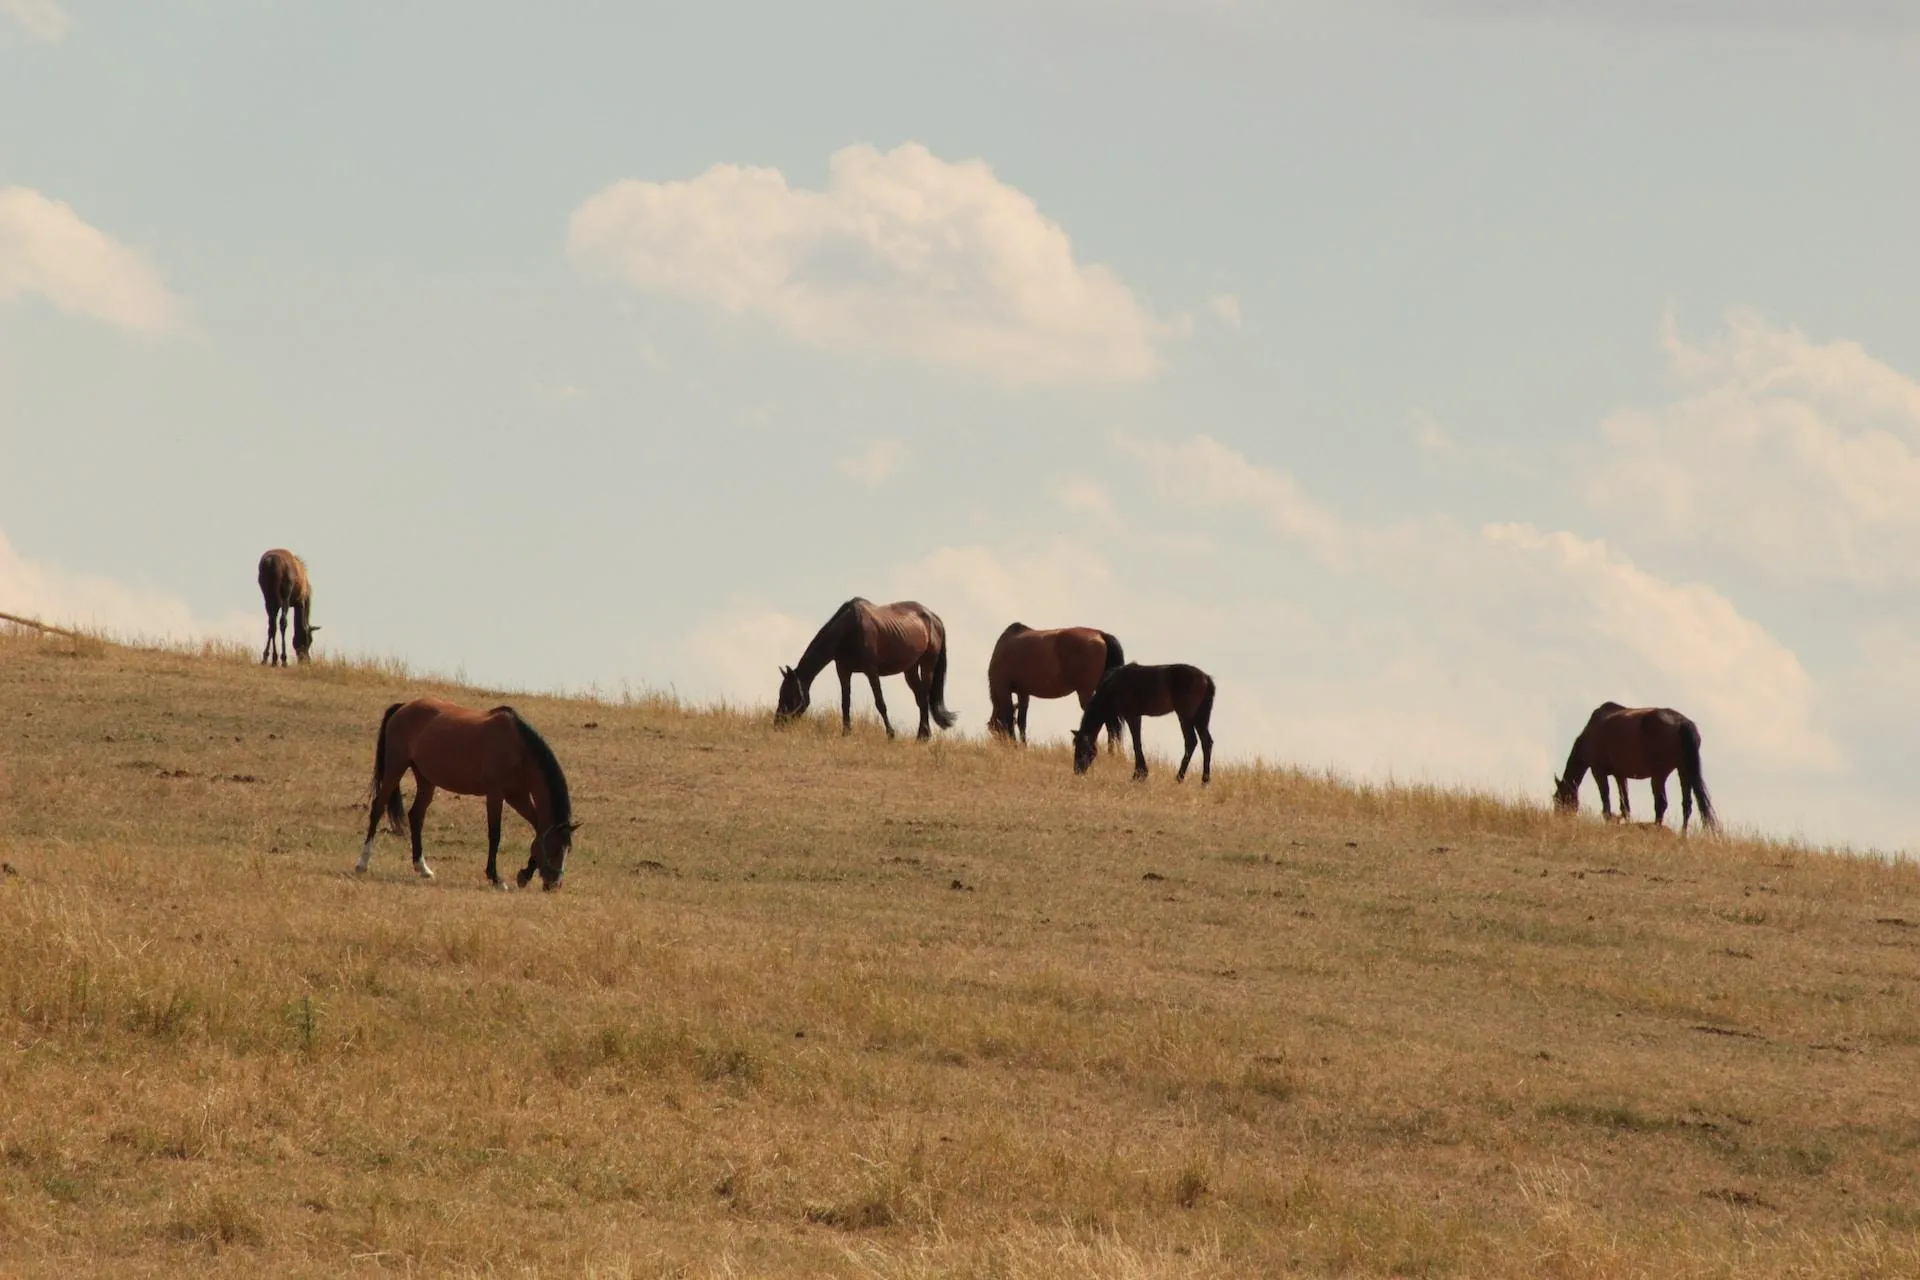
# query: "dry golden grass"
817 1006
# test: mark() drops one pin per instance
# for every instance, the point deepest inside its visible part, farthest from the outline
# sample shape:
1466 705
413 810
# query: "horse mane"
819 650
1100 706
543 756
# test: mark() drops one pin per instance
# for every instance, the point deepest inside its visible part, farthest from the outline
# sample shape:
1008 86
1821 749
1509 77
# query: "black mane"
557 796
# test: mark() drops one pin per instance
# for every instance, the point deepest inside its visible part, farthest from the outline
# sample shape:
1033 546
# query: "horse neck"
823 646
1576 767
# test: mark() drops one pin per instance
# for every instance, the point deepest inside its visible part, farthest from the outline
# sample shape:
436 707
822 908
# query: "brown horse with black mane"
1133 691
874 640
1637 742
1029 664
494 754
284 587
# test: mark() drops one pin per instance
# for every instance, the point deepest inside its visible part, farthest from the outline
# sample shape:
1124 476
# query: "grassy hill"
825 1006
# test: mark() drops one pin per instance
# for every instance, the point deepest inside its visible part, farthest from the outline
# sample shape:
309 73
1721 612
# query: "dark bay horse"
1133 691
874 640
284 587
1637 742
1028 664
494 754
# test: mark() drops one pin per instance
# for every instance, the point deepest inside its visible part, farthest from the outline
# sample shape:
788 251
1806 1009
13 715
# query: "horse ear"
1558 784
786 671
315 627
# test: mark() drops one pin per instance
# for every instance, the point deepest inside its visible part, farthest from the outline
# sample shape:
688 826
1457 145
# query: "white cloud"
903 253
46 249
1429 435
54 595
1225 308
872 465
1534 615
1085 497
740 651
1203 472
1802 458
43 19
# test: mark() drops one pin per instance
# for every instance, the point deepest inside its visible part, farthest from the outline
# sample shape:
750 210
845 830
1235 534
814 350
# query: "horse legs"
1192 737
846 700
1686 802
266 654
880 705
381 793
1606 802
1201 725
1626 806
1139 752
494 805
416 818
283 636
523 805
1659 783
1026 700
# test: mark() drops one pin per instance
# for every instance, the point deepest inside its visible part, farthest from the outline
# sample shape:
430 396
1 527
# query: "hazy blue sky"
1430 373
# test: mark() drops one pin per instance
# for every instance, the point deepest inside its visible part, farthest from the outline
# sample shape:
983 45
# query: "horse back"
283 578
1634 742
895 637
459 748
1048 664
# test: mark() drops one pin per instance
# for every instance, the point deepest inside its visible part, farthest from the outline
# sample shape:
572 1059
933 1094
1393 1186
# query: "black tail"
396 816
1690 775
1203 714
937 696
1116 656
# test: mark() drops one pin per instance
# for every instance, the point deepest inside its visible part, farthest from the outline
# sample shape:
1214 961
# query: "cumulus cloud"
48 251
43 19
1800 457
738 652
48 593
1536 613
902 253
1203 472
874 464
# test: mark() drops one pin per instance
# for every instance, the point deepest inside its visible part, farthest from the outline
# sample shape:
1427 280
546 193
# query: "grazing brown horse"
494 754
874 640
1637 742
1029 664
1133 691
284 587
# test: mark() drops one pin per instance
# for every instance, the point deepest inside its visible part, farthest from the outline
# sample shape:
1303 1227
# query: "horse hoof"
424 871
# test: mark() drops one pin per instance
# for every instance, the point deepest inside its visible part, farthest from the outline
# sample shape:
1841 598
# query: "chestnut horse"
284 587
874 640
1029 664
494 754
1637 742
1133 691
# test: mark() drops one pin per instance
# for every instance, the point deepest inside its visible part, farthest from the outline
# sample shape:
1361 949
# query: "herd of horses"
498 755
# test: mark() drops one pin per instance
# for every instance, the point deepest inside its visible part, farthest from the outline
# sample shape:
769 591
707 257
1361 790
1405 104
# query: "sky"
1429 373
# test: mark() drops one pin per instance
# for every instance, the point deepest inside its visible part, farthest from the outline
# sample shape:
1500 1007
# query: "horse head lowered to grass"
1637 742
1133 691
494 754
874 640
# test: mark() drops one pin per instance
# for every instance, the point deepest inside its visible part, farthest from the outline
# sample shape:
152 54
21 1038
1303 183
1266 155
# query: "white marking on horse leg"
366 856
420 865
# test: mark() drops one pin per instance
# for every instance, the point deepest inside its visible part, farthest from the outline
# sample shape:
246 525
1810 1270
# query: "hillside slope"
815 1005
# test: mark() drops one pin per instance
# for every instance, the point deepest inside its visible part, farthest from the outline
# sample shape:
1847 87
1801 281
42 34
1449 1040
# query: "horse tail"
1690 774
937 696
549 766
1203 714
396 817
1116 656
